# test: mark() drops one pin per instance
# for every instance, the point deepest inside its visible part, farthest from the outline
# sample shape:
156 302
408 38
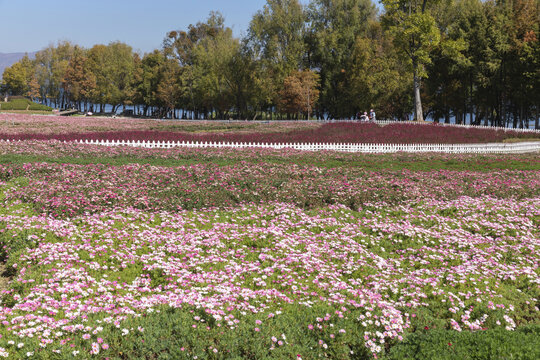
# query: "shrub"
6 106
524 344
39 107
20 104
193 333
23 104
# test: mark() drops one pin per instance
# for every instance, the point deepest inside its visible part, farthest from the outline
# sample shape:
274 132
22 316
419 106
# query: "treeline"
477 62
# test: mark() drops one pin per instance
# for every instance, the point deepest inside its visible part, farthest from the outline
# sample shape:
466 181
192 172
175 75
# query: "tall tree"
334 26
524 62
79 81
376 77
299 93
212 56
147 78
449 88
415 33
113 66
244 79
276 37
51 64
16 78
180 45
169 90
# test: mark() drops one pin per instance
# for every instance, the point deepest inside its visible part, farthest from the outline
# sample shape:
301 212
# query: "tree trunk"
419 115
471 100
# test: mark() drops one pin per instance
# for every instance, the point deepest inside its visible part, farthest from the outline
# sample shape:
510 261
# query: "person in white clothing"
372 115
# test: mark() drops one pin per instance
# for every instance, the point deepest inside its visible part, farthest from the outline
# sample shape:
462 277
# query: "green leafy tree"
180 45
113 67
147 77
415 33
524 63
376 76
212 56
50 66
333 31
244 79
15 79
169 90
449 89
276 37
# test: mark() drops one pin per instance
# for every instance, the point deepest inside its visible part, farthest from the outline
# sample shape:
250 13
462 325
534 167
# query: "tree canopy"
469 60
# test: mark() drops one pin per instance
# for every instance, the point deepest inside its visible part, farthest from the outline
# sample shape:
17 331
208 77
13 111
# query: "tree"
113 67
15 79
376 76
415 33
33 89
79 81
299 93
276 39
449 89
212 56
181 45
50 66
524 62
168 89
245 80
147 77
276 35
334 26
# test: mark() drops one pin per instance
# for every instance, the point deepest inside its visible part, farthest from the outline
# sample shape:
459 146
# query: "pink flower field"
260 254
380 268
68 189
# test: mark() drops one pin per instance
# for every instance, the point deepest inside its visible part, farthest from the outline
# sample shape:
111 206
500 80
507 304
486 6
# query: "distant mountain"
6 60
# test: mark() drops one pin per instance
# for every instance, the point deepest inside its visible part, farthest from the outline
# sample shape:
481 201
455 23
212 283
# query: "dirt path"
4 280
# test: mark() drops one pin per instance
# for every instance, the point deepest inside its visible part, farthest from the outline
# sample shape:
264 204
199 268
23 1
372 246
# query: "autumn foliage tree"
79 81
299 93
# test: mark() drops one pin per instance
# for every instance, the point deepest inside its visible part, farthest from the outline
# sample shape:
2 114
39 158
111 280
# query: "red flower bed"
327 133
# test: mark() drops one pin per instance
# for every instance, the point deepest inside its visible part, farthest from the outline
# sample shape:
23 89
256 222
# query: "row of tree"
465 59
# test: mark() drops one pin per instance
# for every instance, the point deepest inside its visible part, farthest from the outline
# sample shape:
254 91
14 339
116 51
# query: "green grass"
25 106
368 162
28 112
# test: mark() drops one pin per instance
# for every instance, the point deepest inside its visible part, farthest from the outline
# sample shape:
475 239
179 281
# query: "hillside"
8 59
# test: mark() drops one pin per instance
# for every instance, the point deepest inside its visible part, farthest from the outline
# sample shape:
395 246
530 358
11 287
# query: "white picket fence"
522 147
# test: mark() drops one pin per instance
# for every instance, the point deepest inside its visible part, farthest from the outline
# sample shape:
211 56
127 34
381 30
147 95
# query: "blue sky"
30 25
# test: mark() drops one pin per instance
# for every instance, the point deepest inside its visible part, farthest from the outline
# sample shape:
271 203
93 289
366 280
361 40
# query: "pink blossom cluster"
471 261
68 189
